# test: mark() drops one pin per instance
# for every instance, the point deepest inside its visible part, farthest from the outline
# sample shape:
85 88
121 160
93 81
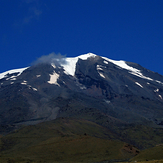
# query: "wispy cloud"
54 58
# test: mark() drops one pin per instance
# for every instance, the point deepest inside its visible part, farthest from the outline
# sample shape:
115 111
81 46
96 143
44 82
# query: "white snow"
134 71
157 90
86 56
70 63
101 75
139 74
12 78
2 75
53 65
53 78
106 62
139 84
107 101
122 64
158 82
160 96
30 87
99 68
34 89
24 82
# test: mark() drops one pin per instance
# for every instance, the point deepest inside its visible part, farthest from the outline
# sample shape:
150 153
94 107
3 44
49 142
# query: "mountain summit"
107 92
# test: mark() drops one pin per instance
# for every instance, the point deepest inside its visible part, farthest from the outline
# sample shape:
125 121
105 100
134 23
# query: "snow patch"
83 87
24 82
139 74
122 64
157 90
99 68
30 87
133 71
70 65
159 82
19 71
101 75
53 78
13 78
160 97
53 65
34 89
139 84
86 56
106 62
107 101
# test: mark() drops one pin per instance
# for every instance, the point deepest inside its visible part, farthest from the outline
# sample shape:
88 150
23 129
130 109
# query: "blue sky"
130 30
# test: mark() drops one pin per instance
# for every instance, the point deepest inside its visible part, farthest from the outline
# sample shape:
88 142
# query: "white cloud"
51 58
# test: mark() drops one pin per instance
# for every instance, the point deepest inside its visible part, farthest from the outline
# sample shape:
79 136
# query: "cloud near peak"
54 58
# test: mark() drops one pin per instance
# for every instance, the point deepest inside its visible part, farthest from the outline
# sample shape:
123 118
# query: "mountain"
81 100
113 94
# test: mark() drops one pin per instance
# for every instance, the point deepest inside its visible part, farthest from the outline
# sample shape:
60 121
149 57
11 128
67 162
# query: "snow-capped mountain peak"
70 63
61 87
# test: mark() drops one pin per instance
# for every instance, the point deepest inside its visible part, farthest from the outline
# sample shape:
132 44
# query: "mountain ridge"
89 86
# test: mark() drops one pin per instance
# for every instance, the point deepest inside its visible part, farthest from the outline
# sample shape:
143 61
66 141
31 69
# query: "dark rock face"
101 92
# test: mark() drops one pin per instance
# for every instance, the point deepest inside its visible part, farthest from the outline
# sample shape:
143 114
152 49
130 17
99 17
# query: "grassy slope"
141 136
155 153
62 140
72 140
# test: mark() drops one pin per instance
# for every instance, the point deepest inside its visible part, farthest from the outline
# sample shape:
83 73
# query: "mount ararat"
118 95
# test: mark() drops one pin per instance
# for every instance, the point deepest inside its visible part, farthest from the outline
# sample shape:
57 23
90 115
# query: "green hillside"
77 140
63 140
151 154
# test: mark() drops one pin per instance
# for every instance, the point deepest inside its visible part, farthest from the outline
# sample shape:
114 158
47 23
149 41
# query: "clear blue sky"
130 30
